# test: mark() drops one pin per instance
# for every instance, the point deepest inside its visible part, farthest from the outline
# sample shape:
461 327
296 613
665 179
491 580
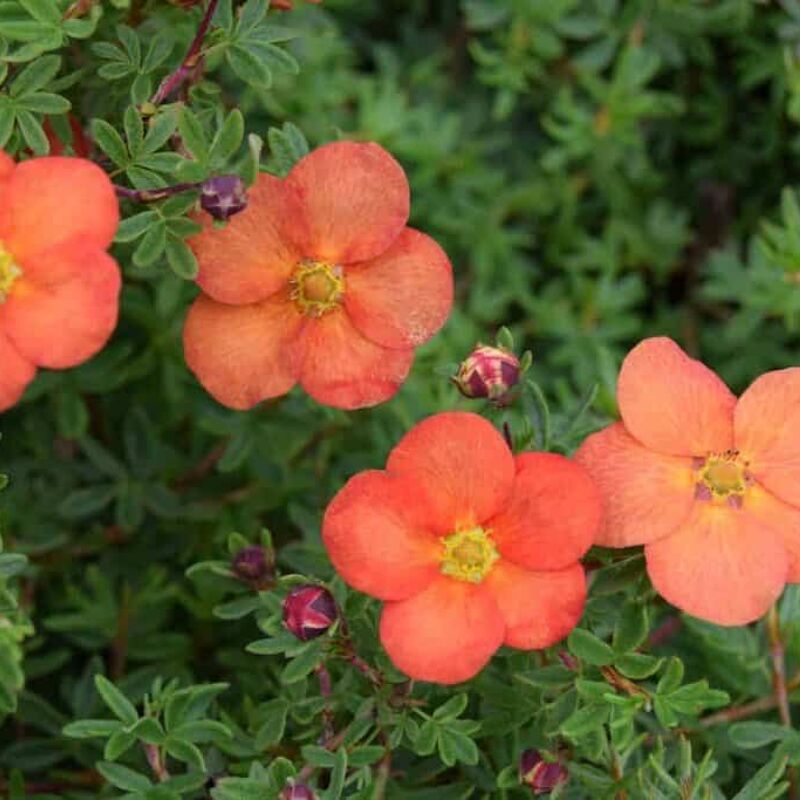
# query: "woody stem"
779 686
151 195
174 80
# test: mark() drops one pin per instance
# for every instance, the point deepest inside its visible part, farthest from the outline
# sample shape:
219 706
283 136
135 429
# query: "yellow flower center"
723 477
317 287
9 272
469 555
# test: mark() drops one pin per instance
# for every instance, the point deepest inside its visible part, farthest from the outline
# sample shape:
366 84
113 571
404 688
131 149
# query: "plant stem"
325 688
151 195
156 762
779 687
748 709
175 79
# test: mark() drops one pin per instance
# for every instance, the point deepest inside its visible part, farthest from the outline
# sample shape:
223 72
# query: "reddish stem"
151 195
173 81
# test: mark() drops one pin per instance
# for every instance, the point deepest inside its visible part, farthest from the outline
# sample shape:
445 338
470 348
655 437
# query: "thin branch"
779 686
325 689
175 80
151 195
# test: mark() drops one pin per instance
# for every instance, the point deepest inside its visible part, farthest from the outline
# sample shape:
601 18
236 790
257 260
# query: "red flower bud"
489 372
297 791
223 196
253 565
308 611
542 776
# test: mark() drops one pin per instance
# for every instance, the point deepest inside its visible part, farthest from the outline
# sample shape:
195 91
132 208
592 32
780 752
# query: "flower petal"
252 257
16 372
242 354
539 608
356 201
402 297
7 165
64 307
464 464
781 518
722 565
672 403
767 423
374 532
338 367
552 516
646 495
445 634
50 201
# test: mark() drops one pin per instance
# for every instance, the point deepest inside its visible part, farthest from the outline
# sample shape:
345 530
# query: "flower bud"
223 196
297 791
489 372
253 565
540 775
308 611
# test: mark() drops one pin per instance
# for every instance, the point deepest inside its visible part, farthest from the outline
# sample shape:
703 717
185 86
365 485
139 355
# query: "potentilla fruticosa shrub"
399 399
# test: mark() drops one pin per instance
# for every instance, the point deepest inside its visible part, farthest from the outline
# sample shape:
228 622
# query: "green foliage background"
598 171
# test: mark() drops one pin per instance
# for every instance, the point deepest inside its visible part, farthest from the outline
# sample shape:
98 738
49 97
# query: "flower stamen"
9 272
722 478
317 287
469 555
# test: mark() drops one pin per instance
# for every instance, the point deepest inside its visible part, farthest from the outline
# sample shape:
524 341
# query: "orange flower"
470 547
317 282
58 287
709 485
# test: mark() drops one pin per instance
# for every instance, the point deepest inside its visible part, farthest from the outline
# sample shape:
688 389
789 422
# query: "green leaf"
301 665
766 778
585 720
589 648
187 752
192 134
35 76
751 734
91 728
116 701
338 775
122 777
181 259
110 142
228 138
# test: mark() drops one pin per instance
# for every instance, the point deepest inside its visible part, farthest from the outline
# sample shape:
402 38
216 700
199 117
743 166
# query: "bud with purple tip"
254 565
308 611
223 196
489 372
540 775
297 791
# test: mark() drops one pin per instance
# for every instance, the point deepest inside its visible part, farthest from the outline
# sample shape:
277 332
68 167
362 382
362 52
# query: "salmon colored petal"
646 495
338 367
539 608
251 257
464 464
64 308
7 165
722 565
356 201
374 532
672 403
16 372
446 634
401 298
767 424
552 516
50 201
780 517
241 354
